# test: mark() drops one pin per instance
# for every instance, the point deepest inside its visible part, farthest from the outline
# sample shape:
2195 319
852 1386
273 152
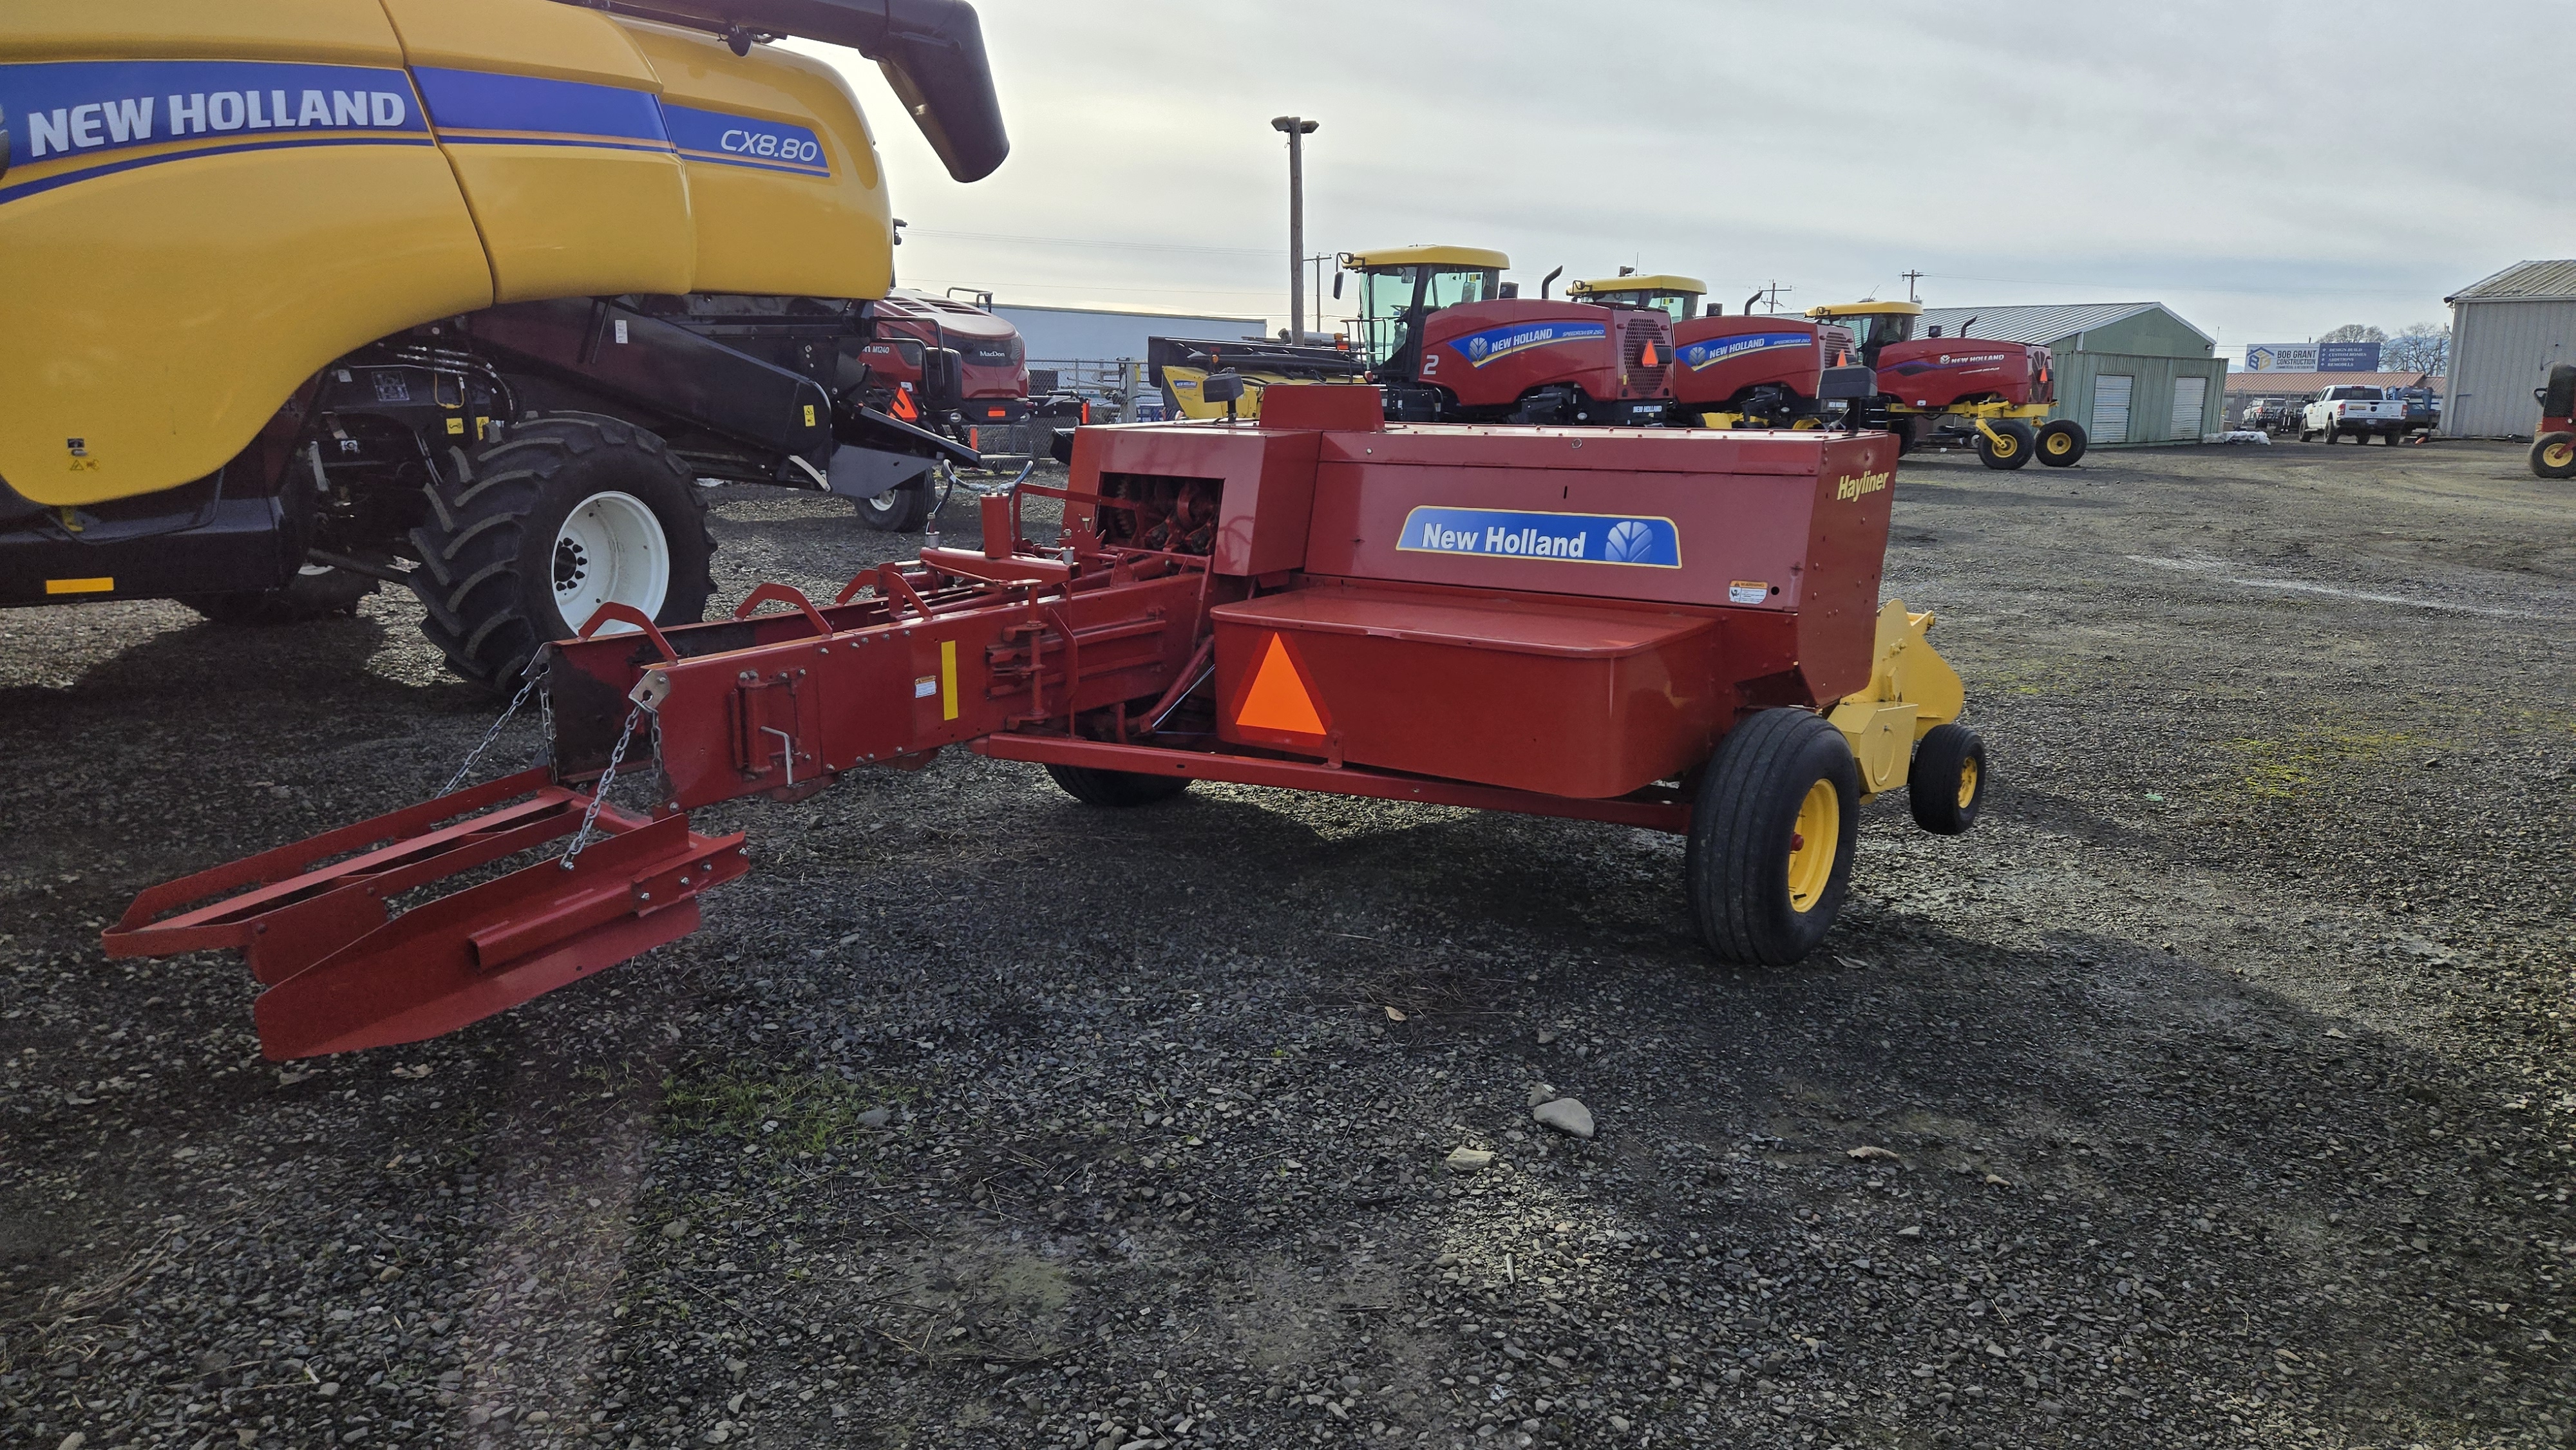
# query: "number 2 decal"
1430 362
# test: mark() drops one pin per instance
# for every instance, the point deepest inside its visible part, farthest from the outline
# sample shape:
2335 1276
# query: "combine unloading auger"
1672 629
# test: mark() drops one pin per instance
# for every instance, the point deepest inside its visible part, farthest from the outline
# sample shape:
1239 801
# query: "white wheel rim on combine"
610 550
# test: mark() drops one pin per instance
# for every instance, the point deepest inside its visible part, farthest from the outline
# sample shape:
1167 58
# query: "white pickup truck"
2354 411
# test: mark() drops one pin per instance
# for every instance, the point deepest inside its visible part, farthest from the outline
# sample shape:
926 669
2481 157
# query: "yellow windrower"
354 168
1911 690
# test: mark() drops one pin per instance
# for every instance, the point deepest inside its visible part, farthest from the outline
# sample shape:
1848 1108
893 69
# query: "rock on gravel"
1566 1115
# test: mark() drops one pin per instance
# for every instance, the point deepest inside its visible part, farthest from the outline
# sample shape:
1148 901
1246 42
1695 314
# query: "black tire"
1116 789
314 593
492 550
902 509
1947 784
2330 437
2553 455
2061 442
2020 442
1745 841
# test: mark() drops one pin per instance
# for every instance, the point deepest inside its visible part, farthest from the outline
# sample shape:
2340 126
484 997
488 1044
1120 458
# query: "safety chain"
494 733
616 757
546 723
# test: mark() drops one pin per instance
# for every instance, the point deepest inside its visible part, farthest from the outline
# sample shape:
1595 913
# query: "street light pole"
1297 129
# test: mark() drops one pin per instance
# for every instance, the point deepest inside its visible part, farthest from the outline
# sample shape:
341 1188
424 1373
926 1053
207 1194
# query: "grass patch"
2283 770
802 1112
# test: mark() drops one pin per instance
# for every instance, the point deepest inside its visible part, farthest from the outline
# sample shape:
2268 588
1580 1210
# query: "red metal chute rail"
1563 622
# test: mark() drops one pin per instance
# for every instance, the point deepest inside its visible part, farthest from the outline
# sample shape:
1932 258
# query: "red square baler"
1663 628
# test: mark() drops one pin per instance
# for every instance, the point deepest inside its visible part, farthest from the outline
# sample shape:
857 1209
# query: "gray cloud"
2271 170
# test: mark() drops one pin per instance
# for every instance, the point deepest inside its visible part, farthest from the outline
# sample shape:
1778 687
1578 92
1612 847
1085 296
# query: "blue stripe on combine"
469 100
32 188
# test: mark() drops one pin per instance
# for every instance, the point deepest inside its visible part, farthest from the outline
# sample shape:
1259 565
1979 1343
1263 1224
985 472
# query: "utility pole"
1297 129
1910 279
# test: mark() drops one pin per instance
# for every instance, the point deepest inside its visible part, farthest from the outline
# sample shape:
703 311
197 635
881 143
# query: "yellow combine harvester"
456 293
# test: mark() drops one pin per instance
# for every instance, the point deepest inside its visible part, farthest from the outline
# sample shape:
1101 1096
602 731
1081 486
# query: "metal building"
1101 333
2505 332
2131 373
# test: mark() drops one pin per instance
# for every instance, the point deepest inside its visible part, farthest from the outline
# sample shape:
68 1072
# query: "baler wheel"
1948 782
2553 455
2017 443
1116 789
2062 442
1773 827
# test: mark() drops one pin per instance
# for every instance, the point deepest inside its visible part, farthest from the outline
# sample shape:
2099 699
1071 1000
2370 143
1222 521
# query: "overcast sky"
2270 170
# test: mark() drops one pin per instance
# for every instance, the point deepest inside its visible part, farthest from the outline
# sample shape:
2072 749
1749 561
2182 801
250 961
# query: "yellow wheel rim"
2058 443
1812 849
2558 455
2004 445
1967 784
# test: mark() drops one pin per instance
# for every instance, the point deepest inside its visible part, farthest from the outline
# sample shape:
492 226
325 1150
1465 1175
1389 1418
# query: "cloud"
2271 171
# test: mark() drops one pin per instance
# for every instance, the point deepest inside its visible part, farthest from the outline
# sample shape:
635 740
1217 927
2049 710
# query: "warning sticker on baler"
1650 543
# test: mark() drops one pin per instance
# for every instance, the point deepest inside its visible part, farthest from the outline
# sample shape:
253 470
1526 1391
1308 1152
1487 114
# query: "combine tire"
316 592
1773 825
2062 442
901 509
1116 788
2553 455
534 531
1948 781
2017 444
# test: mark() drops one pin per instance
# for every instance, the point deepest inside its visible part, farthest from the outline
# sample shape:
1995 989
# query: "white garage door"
2189 394
2111 407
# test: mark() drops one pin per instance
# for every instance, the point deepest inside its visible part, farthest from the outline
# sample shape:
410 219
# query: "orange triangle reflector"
1278 698
1650 360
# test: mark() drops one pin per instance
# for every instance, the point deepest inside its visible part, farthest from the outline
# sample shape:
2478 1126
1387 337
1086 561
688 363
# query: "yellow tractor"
460 294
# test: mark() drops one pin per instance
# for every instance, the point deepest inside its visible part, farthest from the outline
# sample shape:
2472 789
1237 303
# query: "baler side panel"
1702 538
1846 551
1533 694
164 349
552 120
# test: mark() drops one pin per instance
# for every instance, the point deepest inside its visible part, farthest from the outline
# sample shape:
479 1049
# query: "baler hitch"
311 918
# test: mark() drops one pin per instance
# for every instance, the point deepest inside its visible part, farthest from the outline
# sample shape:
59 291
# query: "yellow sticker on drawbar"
456 425
809 415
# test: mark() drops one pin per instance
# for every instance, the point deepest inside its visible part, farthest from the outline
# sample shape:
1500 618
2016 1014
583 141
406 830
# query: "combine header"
1673 629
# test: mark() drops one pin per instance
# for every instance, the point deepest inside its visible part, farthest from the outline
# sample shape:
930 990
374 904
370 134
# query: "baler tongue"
311 917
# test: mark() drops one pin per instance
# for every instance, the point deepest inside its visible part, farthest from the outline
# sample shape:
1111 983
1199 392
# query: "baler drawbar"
1672 629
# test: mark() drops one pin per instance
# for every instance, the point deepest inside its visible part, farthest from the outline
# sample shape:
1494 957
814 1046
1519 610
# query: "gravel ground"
2215 1091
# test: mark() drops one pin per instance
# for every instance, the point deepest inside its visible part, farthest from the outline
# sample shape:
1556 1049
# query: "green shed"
2133 373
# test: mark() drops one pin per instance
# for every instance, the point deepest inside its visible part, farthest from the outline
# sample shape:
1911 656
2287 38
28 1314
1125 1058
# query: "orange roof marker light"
1279 698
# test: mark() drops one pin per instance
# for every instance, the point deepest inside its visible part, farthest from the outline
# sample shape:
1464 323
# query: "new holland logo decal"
1495 343
1649 543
